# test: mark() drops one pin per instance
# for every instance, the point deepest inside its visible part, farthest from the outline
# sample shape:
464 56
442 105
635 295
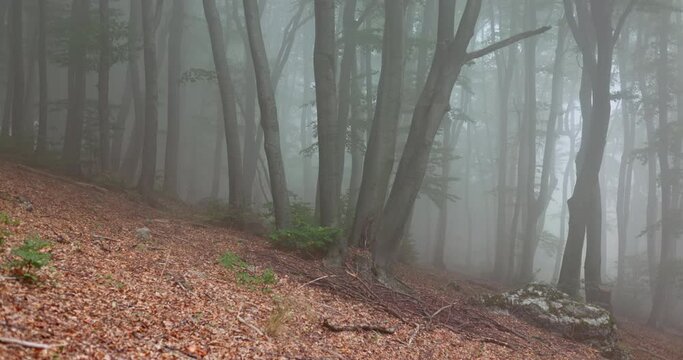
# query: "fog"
518 112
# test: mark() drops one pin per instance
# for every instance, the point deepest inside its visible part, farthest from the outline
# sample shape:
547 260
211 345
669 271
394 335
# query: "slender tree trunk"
381 145
73 136
149 148
173 106
41 144
103 85
17 71
269 118
227 91
219 149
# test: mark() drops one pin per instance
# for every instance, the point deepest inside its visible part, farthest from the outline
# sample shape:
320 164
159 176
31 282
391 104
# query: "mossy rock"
550 308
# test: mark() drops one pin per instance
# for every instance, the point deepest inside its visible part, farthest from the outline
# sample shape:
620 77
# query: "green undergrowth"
246 274
28 258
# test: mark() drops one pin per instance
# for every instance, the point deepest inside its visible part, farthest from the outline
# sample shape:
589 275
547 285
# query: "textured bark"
71 153
381 145
324 59
173 106
41 143
17 71
269 118
235 173
103 85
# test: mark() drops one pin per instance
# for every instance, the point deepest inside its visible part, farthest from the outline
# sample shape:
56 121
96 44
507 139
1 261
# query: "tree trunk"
381 145
235 174
173 106
41 144
103 85
269 118
149 148
324 59
73 136
17 55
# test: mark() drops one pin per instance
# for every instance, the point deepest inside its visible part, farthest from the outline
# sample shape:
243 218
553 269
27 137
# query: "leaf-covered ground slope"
108 294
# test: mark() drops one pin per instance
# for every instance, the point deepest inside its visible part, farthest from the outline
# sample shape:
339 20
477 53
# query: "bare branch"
622 20
503 43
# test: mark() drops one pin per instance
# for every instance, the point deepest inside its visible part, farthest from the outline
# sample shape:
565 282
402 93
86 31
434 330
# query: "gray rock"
143 234
550 308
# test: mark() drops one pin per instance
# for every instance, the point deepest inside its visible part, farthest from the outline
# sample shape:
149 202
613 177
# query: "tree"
73 136
269 120
450 56
18 72
591 24
381 145
173 106
41 143
149 148
227 92
103 84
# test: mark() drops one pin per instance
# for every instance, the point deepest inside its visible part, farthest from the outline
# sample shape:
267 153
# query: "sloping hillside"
109 293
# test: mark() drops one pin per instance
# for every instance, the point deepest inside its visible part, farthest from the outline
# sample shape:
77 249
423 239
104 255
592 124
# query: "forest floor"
108 294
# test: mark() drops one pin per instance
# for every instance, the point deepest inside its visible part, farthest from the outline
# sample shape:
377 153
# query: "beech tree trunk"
41 143
149 148
103 85
269 119
173 106
381 145
71 153
235 173
17 55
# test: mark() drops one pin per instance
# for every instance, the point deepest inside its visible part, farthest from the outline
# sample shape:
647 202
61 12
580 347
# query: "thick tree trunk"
103 85
41 143
227 91
173 106
71 154
381 145
269 118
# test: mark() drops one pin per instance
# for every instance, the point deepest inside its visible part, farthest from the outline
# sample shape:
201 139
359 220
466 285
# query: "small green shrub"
230 260
29 257
309 239
6 219
267 277
4 235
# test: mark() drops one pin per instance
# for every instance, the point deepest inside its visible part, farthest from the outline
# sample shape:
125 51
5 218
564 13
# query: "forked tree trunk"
381 145
269 118
235 173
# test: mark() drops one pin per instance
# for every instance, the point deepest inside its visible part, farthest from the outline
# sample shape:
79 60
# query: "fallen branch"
28 344
360 327
314 280
650 353
412 337
62 178
439 311
258 331
497 342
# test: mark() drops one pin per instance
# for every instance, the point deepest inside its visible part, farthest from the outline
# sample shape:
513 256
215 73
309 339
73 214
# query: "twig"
361 327
171 348
412 337
8 278
240 319
497 342
314 280
439 311
650 353
28 344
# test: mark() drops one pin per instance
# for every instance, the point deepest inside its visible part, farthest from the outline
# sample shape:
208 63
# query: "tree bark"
381 145
269 118
103 85
149 148
71 153
41 143
17 55
227 91
173 106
